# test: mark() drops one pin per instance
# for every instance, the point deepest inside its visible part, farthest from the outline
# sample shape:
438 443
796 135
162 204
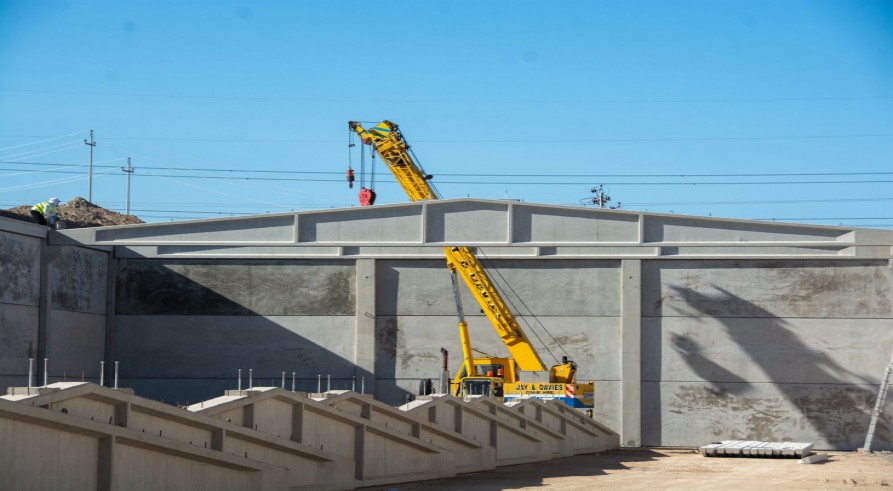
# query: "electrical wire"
449 174
41 141
518 141
455 101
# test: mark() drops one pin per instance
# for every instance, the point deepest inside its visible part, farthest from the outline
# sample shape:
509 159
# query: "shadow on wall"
184 328
832 400
400 369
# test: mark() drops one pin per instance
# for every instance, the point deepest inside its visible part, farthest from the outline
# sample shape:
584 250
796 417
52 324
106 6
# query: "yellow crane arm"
389 143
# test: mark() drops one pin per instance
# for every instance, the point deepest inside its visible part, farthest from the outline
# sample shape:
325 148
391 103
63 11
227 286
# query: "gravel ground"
676 469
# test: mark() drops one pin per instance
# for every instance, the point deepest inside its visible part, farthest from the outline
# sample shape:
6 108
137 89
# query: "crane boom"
388 142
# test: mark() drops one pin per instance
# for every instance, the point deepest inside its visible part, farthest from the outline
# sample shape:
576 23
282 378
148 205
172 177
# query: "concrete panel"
167 357
77 279
137 469
558 287
67 461
558 225
456 223
727 251
412 344
19 269
768 289
237 287
608 408
75 345
408 350
323 432
750 351
18 342
834 417
265 228
370 224
661 228
274 417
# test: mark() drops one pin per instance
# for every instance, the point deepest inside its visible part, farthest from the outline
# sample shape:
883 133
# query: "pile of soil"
77 213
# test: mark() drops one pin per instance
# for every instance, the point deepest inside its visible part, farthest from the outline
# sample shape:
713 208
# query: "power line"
515 141
449 174
456 101
41 141
515 183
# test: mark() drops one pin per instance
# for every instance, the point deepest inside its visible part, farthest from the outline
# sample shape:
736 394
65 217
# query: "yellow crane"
489 376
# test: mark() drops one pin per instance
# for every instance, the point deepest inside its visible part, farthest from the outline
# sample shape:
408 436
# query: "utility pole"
92 144
601 199
129 171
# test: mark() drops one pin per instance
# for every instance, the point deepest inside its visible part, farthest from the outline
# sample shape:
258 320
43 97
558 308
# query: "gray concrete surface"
694 329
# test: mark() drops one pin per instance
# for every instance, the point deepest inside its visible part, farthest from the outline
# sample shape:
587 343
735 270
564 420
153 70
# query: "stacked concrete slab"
80 436
739 448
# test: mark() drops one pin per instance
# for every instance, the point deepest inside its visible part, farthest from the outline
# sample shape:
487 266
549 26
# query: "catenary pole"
91 144
129 171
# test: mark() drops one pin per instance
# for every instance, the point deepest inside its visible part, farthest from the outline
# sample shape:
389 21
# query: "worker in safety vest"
45 210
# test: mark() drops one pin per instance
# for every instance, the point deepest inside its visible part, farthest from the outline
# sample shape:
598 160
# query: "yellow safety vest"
45 208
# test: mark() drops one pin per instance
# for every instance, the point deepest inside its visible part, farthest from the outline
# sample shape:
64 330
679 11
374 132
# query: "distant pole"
129 171
92 144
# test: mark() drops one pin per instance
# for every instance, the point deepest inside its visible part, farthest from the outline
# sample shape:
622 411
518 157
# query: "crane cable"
507 286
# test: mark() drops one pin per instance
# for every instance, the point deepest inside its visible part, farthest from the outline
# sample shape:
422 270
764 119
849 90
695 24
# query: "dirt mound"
77 213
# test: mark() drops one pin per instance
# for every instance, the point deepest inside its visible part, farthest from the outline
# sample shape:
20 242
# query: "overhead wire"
527 183
459 101
41 152
42 141
452 174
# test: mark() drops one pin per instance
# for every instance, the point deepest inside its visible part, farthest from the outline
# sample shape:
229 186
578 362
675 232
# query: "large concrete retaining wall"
693 329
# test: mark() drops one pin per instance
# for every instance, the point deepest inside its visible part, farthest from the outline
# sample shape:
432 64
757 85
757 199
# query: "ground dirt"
675 469
77 213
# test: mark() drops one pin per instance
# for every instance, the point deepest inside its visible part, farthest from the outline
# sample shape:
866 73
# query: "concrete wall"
216 317
693 329
19 302
764 350
53 303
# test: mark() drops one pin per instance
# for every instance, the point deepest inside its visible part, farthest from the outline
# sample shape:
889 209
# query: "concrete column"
631 358
359 452
48 254
114 267
364 351
297 423
105 464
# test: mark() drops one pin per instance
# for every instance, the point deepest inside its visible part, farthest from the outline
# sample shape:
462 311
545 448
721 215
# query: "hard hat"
54 200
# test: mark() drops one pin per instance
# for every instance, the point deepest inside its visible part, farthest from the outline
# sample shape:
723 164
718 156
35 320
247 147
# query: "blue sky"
743 109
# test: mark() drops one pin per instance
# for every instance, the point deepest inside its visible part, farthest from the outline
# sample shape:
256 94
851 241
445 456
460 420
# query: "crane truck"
484 375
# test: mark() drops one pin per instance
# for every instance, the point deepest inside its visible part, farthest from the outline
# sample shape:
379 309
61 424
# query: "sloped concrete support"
133 443
382 449
269 438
